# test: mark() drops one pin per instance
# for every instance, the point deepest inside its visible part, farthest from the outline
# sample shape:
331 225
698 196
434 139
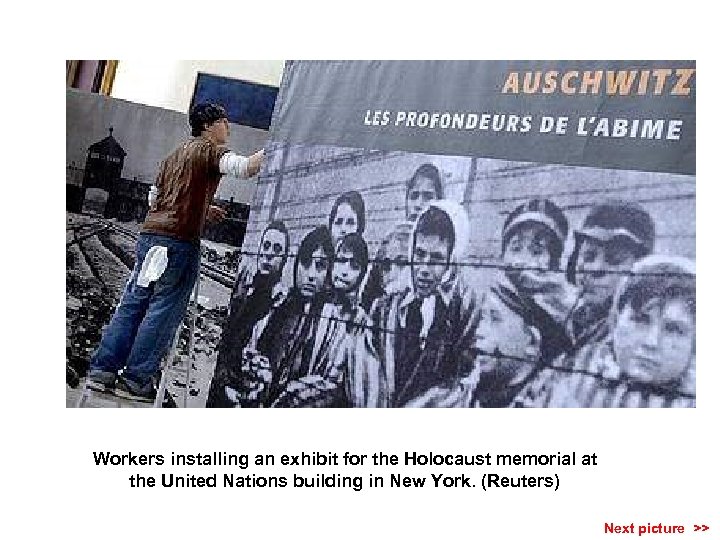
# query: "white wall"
169 84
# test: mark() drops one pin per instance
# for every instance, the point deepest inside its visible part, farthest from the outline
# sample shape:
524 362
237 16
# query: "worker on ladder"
167 257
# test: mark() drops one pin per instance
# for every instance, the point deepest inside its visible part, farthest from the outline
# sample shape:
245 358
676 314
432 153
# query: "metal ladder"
88 396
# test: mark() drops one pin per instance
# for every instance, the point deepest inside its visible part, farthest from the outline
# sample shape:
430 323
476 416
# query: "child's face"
311 277
419 196
528 248
656 343
272 252
345 222
501 329
429 262
346 270
594 260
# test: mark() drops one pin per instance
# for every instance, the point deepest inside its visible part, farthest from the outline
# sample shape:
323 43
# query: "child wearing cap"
533 240
648 359
613 237
654 335
533 237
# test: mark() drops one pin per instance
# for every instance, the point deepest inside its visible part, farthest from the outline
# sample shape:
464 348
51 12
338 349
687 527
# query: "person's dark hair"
279 226
544 214
427 170
317 238
666 282
434 221
355 243
356 202
204 114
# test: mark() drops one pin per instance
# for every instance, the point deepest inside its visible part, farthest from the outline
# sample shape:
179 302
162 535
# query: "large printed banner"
470 234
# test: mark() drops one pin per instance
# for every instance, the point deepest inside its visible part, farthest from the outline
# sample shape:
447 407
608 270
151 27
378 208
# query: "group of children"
615 327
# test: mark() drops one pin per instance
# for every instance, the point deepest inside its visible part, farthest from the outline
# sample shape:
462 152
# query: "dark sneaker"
169 401
128 390
98 385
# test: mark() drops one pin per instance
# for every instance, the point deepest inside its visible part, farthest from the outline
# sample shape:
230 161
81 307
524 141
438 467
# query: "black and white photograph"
443 281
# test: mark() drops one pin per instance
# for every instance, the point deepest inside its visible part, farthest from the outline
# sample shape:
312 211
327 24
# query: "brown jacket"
186 186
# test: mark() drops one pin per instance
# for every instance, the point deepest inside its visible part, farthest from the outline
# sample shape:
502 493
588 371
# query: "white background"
654 465
170 83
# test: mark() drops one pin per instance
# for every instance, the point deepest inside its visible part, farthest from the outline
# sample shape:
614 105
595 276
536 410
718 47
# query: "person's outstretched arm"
240 166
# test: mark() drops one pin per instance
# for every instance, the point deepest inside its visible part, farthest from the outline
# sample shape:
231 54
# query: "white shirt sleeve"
234 165
152 195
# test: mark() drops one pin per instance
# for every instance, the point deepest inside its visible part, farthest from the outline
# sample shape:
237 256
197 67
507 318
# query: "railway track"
102 226
100 256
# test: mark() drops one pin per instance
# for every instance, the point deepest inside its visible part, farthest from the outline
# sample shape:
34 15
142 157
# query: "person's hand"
243 280
308 391
256 378
430 398
550 291
215 214
255 162
232 396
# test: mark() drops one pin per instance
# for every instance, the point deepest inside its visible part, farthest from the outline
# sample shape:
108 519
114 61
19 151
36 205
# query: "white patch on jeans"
153 266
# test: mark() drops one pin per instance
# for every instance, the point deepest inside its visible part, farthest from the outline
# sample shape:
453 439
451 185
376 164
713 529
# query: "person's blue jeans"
144 324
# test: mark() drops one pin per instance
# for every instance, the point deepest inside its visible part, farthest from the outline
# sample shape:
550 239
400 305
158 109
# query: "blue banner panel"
247 103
